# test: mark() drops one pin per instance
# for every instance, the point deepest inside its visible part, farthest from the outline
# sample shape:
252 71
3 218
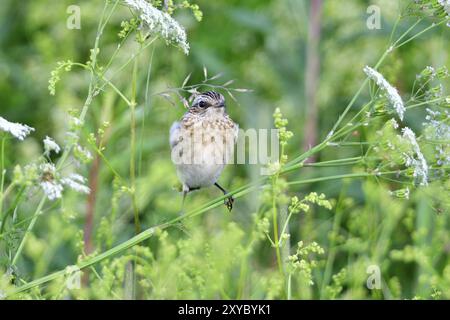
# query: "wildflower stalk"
145 107
93 76
126 63
425 103
137 223
332 245
12 207
5 193
34 218
275 224
108 164
87 103
337 162
133 148
331 135
419 33
2 181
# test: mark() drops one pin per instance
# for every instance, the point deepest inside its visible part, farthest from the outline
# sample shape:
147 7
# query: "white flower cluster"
50 145
76 183
446 6
390 91
53 186
415 160
18 130
161 23
49 184
437 130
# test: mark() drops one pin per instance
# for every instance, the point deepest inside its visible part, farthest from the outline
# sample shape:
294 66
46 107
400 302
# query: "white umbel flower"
76 183
160 23
50 145
417 162
18 130
51 189
53 185
437 129
48 182
390 91
446 6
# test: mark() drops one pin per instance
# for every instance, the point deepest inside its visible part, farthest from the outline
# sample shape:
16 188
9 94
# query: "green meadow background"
265 47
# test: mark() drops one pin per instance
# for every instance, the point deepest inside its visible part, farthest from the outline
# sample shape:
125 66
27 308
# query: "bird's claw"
229 203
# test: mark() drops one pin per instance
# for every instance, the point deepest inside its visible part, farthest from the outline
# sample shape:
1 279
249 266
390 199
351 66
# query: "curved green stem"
434 25
2 174
36 214
13 206
132 105
275 228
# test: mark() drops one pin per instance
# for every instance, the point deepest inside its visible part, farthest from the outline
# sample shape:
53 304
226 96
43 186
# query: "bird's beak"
221 105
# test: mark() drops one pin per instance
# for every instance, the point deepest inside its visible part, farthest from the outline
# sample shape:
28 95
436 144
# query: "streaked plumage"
202 142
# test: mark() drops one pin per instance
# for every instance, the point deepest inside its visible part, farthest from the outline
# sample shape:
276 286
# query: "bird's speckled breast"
207 144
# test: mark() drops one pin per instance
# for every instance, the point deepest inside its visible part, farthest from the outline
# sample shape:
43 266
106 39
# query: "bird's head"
209 101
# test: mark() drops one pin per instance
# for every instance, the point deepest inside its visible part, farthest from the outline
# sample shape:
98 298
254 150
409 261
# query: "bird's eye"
202 104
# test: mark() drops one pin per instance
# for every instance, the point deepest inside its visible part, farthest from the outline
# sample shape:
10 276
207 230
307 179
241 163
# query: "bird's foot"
229 203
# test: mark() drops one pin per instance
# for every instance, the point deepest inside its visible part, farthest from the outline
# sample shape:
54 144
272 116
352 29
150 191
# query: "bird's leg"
228 201
186 190
184 199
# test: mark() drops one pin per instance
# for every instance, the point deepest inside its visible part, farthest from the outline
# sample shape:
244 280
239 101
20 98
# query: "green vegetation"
357 207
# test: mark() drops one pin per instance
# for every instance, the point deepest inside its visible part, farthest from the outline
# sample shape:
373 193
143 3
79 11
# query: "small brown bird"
202 143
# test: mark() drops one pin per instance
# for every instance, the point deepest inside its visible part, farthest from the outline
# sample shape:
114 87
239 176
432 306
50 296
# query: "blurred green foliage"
261 44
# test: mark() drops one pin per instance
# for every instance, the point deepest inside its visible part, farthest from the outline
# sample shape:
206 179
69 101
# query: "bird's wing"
175 133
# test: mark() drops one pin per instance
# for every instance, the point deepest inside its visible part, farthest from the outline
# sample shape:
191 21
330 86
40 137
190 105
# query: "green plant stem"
132 58
336 163
146 107
335 177
2 173
275 227
434 25
13 206
137 223
133 148
332 135
108 164
36 214
332 244
425 103
121 95
107 81
394 28
289 287
83 113
298 162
